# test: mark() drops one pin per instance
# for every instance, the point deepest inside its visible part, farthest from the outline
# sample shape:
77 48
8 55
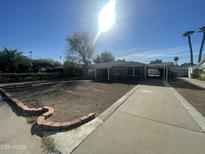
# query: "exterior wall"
193 72
202 70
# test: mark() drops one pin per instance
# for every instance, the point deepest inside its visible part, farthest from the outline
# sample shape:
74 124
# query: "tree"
11 60
104 57
176 60
156 61
44 63
201 30
80 48
185 64
188 34
72 69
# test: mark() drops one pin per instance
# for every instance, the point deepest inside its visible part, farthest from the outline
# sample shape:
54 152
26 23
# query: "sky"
144 30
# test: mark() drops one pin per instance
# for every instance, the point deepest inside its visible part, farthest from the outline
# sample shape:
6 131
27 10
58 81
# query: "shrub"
22 77
72 69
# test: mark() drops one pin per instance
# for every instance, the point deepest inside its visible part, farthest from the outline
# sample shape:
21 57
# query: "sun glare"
107 16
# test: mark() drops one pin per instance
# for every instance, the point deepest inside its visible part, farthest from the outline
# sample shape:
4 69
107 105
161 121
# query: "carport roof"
118 63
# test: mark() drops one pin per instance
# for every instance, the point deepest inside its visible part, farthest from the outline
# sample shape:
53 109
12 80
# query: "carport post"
166 74
145 72
108 71
133 71
95 74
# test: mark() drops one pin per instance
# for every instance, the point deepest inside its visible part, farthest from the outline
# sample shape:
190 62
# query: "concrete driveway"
15 133
150 121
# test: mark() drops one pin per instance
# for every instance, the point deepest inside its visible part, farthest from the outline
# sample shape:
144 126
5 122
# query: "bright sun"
106 19
107 16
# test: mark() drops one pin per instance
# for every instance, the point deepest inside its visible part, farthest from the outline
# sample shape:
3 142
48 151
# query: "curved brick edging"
49 125
44 113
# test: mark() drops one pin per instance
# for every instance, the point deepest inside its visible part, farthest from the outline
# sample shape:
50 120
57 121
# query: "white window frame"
115 71
91 70
133 71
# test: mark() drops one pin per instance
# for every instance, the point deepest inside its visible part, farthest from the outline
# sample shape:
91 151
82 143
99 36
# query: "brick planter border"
44 113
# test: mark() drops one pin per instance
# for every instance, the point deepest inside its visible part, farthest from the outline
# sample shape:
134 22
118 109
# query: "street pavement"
15 133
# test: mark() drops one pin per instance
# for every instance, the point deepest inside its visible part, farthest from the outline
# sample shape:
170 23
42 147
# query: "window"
130 71
116 71
90 70
137 71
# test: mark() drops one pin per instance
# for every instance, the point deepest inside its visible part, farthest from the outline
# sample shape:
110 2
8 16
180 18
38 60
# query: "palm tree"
11 59
201 30
188 34
176 59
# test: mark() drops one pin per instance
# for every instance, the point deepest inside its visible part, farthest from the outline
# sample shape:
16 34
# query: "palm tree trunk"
191 51
201 48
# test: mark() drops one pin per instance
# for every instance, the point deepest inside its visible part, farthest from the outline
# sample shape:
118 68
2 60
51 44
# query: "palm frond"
202 29
188 33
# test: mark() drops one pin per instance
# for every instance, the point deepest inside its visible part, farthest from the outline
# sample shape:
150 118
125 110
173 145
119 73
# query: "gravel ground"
194 94
73 99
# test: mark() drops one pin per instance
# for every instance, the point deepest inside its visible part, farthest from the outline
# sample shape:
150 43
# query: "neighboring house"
118 70
193 71
202 69
197 70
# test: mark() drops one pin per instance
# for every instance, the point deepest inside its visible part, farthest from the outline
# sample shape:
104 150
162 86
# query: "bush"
73 69
22 77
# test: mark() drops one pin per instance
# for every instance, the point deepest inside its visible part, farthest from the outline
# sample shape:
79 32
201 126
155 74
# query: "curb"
44 113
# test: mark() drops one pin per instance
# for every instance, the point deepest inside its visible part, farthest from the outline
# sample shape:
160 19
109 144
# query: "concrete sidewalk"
196 82
150 121
15 133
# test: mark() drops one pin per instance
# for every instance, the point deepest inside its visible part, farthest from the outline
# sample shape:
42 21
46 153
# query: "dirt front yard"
194 94
72 99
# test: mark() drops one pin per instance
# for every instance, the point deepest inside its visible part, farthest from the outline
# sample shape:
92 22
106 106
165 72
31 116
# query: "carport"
157 71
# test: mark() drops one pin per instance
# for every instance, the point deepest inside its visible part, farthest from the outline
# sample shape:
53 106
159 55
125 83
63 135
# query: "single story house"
117 70
131 70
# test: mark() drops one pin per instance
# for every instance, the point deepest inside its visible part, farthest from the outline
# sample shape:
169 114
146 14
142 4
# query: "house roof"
118 63
156 65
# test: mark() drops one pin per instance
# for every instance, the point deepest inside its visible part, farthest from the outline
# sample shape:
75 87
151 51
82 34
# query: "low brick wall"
44 113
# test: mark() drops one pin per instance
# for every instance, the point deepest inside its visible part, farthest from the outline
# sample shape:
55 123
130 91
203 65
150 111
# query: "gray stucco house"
117 70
